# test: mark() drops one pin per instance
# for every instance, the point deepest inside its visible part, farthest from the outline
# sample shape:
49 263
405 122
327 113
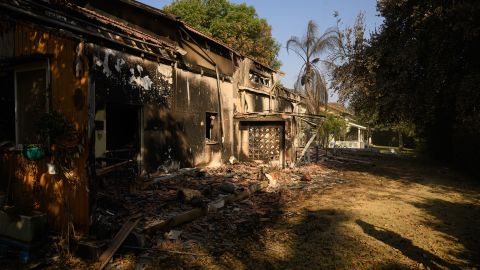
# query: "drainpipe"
220 113
270 94
235 98
270 100
91 167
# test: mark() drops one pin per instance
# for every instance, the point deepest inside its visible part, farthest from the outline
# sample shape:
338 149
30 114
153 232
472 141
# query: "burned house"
91 85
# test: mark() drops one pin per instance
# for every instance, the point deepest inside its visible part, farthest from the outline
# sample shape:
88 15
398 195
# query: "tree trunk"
400 141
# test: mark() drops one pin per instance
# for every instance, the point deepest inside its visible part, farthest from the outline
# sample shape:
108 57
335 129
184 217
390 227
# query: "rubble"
228 187
199 206
306 177
173 234
189 195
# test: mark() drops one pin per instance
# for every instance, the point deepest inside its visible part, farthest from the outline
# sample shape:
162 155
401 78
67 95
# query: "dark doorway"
123 130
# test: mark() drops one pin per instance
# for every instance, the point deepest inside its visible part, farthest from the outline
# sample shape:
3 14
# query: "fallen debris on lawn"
179 210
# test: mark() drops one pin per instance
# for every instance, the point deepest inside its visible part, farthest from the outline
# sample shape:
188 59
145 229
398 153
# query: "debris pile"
188 208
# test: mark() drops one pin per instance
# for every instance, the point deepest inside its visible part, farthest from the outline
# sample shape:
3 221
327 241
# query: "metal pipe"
220 113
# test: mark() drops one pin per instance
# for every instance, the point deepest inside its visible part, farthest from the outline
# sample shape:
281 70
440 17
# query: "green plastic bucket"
33 152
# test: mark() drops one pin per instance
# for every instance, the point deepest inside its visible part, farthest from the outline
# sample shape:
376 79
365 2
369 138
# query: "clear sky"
290 17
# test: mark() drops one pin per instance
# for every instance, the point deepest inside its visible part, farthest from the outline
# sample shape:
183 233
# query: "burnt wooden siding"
33 187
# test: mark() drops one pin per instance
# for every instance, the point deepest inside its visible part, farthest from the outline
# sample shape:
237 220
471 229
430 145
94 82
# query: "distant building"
356 134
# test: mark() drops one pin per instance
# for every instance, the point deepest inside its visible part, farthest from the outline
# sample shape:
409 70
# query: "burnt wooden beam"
169 176
306 148
117 241
114 167
195 213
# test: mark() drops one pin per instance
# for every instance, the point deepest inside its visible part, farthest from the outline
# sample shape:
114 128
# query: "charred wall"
174 105
33 187
124 78
203 56
255 102
284 105
130 80
196 97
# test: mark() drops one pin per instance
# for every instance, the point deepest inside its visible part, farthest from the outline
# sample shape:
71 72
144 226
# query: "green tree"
353 75
354 79
428 73
311 81
331 126
421 70
237 25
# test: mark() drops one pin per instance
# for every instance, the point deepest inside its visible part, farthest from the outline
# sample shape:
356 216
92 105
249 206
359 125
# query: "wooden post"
307 146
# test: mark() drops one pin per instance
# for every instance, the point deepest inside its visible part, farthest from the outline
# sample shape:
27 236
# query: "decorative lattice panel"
264 142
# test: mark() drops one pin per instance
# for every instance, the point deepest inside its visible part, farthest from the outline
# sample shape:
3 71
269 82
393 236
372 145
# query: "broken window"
211 126
259 79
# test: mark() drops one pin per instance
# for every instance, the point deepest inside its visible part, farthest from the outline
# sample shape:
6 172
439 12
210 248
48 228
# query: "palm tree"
311 81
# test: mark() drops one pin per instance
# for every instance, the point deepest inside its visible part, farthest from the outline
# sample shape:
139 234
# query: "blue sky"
290 18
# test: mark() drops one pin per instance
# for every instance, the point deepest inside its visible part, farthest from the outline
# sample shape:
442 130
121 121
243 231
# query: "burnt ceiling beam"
77 29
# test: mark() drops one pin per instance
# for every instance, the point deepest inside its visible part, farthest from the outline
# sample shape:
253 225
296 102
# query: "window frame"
263 80
214 133
31 66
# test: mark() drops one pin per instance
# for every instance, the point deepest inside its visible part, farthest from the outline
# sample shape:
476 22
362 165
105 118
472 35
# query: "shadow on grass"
460 221
405 246
307 240
411 170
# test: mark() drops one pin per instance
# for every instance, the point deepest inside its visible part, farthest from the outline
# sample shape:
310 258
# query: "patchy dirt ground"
401 213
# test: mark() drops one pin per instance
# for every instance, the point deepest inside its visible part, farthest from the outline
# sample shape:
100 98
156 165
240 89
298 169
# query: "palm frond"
294 42
329 40
297 52
311 36
311 81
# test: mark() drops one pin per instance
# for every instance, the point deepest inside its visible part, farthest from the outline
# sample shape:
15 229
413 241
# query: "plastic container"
33 152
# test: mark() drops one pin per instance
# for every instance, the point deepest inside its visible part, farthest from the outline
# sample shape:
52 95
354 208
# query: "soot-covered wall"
121 78
197 95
